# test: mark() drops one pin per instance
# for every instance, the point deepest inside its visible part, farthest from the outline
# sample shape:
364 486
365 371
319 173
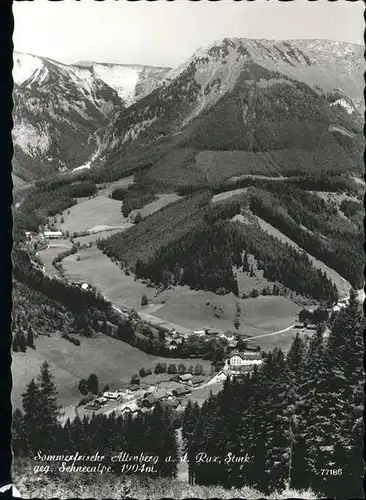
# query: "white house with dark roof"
237 360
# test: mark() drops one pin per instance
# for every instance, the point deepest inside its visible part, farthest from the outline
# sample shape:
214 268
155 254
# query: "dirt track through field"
273 333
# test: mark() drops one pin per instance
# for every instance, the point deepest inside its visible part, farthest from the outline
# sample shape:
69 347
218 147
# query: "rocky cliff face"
58 107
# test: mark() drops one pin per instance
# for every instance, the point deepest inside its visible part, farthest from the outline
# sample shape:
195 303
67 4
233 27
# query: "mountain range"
256 106
58 107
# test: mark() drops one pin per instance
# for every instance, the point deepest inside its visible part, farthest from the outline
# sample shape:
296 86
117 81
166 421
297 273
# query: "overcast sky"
167 33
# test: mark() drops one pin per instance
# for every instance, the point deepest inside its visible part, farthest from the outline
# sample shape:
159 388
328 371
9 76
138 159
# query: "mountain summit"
248 95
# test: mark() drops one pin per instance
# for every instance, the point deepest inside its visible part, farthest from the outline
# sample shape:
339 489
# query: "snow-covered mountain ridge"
131 82
58 107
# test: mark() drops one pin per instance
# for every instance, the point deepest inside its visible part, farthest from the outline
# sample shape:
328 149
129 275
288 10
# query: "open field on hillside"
97 269
184 309
282 340
342 285
48 254
85 240
162 201
113 361
26 366
335 198
102 213
197 309
89 213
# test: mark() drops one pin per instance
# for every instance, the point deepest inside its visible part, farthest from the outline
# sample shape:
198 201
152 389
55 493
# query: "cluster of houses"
134 400
50 235
173 339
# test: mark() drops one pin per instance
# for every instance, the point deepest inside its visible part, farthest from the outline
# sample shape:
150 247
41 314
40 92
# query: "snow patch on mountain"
123 79
24 67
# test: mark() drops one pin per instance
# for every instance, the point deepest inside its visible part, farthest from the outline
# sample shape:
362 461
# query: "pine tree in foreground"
49 406
32 417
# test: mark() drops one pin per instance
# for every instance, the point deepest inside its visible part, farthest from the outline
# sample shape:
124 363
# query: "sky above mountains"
167 33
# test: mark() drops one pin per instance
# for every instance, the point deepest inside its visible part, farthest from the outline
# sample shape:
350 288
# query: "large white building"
52 234
238 360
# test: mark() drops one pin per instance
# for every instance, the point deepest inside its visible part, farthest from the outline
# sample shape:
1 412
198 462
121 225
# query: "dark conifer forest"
194 243
298 418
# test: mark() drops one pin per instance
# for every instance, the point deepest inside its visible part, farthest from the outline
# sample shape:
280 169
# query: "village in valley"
169 383
140 397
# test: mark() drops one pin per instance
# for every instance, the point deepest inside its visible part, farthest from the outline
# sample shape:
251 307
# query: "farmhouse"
149 401
195 381
131 409
100 401
112 395
172 344
184 377
236 360
181 391
132 388
52 234
221 376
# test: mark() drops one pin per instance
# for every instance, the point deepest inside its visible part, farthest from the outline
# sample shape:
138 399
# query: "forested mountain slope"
253 96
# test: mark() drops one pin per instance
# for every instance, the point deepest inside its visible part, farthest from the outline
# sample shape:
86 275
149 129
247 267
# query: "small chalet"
100 401
131 408
149 401
172 344
132 388
251 346
114 396
185 377
181 391
221 376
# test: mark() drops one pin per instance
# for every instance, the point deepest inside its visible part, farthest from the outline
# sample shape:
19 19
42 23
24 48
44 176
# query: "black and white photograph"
188 230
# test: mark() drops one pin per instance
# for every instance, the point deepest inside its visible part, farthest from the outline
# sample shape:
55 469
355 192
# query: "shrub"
93 383
144 300
83 387
172 369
